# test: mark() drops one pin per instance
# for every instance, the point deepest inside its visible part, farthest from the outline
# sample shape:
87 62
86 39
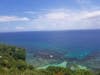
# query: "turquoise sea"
55 47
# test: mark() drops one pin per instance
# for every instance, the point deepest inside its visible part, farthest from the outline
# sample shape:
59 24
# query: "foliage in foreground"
12 62
49 71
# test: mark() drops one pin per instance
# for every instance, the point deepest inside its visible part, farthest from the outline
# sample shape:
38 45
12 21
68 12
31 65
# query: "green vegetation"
12 62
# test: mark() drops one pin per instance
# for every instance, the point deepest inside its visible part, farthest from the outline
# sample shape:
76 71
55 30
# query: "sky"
49 15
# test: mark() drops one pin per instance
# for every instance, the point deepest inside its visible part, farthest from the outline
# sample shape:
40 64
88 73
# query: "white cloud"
92 14
12 18
56 16
61 19
64 20
20 28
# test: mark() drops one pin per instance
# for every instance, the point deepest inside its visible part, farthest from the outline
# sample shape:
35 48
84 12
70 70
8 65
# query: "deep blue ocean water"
73 44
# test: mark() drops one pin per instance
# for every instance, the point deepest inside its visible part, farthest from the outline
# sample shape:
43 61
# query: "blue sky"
47 15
